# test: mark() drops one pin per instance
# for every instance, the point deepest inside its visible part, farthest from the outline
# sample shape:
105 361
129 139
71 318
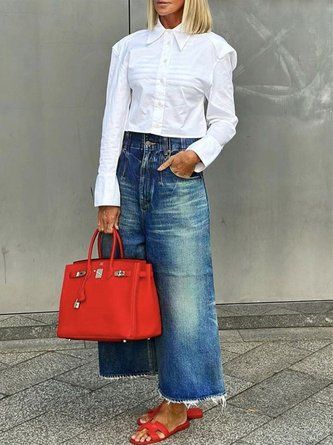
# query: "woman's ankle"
176 408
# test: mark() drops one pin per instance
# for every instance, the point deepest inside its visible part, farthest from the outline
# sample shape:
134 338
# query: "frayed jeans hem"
216 399
127 376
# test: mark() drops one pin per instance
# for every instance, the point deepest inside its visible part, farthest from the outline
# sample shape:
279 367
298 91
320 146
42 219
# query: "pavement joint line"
311 352
329 382
256 428
110 418
311 375
34 319
258 383
322 441
75 385
23 422
18 351
242 353
322 403
270 375
43 381
78 397
282 328
22 361
67 351
88 360
300 402
275 418
304 349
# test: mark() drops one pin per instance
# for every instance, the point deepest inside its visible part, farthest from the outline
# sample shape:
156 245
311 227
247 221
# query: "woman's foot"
146 417
170 414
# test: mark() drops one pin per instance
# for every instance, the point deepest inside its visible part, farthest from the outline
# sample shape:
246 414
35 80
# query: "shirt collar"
158 30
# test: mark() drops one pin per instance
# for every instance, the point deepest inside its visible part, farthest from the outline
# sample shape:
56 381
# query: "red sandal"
192 413
153 427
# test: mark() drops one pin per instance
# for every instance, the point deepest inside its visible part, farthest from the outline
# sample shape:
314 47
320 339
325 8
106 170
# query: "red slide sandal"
192 413
153 427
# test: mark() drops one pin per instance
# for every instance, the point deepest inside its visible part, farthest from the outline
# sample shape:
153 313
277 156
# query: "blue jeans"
166 220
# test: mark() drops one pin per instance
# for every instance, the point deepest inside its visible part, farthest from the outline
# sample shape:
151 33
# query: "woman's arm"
118 96
220 113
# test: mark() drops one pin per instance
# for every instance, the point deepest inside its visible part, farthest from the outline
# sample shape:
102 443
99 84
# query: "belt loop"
169 146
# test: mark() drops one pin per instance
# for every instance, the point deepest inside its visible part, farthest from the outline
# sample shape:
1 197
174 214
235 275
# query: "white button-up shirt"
170 83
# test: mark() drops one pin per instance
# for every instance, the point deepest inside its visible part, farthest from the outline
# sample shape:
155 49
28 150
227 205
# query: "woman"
155 145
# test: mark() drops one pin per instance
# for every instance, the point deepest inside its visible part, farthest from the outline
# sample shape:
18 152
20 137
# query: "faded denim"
166 219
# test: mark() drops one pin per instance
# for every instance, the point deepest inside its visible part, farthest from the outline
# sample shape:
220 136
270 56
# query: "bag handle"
116 240
99 245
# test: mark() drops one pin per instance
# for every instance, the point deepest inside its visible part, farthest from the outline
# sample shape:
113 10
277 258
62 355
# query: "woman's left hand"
183 163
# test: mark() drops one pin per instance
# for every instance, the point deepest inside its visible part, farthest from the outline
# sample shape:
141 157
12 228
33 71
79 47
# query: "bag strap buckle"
119 273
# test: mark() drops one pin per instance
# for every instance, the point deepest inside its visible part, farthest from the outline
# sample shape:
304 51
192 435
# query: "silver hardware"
149 143
119 273
99 273
80 273
124 341
148 338
76 304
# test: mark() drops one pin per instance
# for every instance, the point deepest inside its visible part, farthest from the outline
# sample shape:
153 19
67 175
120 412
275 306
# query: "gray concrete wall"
270 190
55 57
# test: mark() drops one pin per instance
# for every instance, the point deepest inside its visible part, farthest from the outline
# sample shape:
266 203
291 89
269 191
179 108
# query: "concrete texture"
270 190
51 393
55 57
271 187
230 317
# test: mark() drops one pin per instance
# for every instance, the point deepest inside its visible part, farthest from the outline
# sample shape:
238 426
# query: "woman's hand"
107 218
183 163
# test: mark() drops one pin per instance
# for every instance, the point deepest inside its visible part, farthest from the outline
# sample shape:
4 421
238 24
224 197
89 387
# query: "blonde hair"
196 18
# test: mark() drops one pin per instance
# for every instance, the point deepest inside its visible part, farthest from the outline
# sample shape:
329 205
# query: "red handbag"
109 299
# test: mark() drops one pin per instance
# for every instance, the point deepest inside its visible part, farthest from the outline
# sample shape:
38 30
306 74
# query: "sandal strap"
158 426
153 427
151 431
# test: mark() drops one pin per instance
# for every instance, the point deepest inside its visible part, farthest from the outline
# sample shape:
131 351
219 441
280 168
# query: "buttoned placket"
160 89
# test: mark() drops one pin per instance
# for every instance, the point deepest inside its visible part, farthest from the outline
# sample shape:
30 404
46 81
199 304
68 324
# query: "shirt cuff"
207 148
107 191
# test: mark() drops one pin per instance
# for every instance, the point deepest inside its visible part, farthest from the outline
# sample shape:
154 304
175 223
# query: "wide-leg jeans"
165 218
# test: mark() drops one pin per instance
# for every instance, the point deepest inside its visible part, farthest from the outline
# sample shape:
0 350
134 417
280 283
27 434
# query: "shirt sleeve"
220 113
118 96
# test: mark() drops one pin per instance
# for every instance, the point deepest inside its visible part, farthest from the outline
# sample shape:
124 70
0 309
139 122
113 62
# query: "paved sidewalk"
279 382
